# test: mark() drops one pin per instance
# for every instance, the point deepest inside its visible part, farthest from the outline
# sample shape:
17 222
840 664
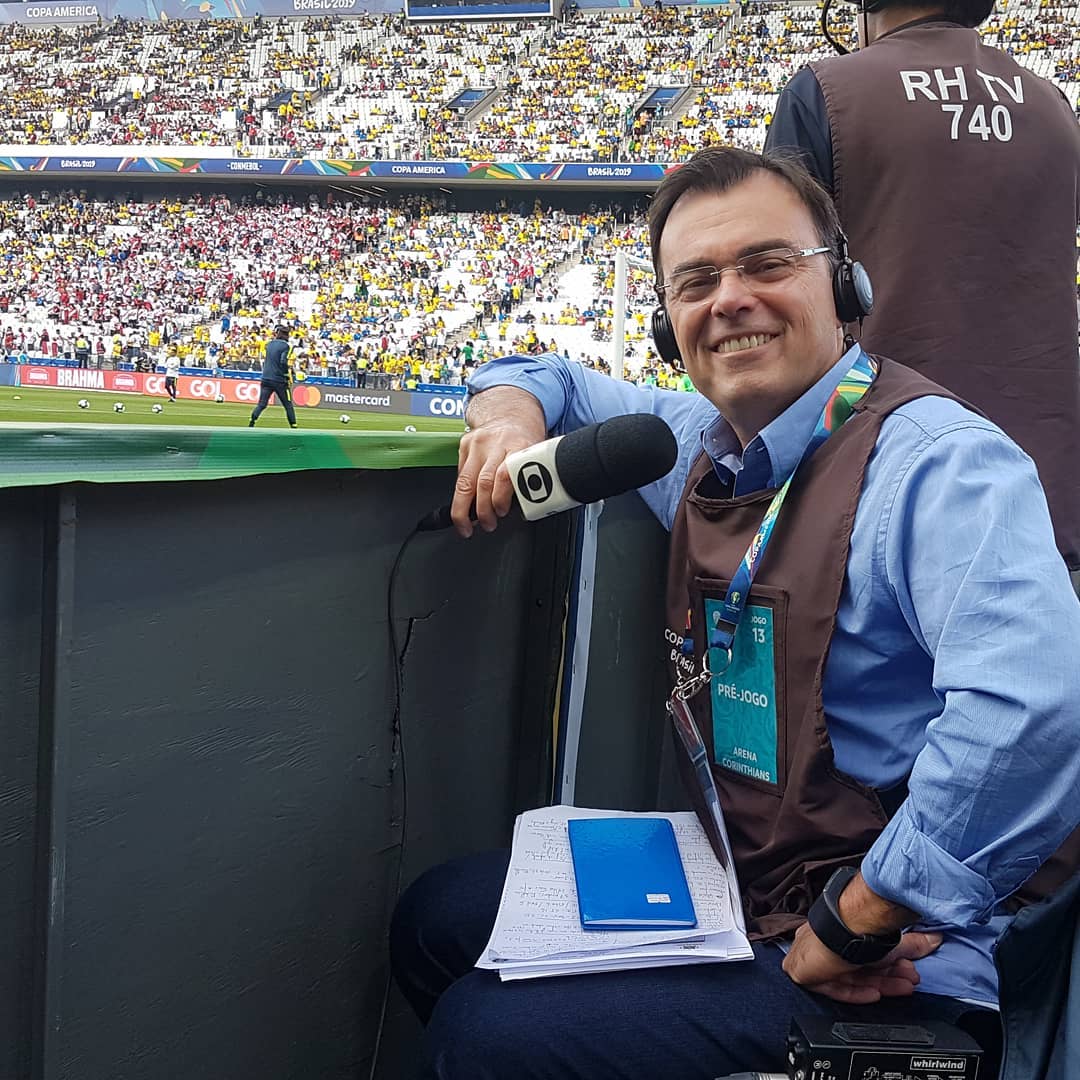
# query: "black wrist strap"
824 919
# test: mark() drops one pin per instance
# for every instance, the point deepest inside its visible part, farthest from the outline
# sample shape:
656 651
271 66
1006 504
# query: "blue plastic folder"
629 875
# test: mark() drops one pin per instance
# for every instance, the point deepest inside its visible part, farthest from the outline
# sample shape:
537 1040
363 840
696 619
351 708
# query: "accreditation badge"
743 697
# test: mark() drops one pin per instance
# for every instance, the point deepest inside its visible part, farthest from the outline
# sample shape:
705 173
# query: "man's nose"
731 294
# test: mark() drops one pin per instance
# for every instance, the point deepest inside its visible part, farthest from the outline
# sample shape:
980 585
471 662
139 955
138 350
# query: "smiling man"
761 332
870 565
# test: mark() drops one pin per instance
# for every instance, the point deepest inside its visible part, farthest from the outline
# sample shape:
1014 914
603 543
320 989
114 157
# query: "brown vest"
965 217
788 837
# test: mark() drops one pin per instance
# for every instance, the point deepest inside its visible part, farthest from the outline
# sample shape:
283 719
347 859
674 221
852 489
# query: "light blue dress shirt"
955 656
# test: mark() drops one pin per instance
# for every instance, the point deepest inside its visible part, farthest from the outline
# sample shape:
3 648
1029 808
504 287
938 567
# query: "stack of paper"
538 928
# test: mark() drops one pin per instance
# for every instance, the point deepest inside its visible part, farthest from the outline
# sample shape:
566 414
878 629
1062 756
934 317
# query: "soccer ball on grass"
220 399
118 406
344 418
83 403
157 408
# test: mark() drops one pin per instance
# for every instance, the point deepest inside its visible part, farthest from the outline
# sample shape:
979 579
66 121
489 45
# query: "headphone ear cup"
663 335
864 288
852 292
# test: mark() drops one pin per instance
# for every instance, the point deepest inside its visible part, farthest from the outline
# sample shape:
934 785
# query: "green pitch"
37 406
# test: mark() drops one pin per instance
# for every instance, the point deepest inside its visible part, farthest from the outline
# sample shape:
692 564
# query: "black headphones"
853 296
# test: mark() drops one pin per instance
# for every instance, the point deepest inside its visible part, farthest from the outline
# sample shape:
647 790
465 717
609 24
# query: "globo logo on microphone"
538 485
534 482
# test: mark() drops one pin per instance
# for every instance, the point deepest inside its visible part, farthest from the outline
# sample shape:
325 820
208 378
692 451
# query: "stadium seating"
378 87
359 279
209 277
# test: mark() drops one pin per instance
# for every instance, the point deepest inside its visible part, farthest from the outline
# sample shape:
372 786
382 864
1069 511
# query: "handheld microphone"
596 462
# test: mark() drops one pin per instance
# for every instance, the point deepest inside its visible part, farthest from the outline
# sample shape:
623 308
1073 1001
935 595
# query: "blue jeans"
687 1023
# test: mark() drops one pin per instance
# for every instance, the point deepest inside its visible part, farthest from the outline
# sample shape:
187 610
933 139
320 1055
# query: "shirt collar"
773 454
925 20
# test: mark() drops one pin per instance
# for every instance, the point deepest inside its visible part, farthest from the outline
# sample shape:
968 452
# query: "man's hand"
501 420
814 967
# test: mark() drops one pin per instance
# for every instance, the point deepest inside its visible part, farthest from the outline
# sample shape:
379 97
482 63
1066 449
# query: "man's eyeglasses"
761 268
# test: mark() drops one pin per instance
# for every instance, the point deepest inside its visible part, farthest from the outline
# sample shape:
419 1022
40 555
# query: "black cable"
397 660
837 47
863 7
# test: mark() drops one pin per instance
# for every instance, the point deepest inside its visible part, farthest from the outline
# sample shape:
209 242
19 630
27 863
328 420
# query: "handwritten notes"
538 931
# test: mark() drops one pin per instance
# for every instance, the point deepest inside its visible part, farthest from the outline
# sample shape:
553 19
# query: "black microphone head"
621 454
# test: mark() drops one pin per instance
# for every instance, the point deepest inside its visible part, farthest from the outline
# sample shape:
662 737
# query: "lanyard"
838 410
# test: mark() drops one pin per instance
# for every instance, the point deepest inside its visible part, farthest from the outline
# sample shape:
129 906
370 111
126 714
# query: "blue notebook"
629 875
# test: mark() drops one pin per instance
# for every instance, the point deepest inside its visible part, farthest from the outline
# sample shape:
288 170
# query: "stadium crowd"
377 86
405 286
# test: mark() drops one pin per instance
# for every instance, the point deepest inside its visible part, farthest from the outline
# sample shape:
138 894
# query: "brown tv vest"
787 838
956 177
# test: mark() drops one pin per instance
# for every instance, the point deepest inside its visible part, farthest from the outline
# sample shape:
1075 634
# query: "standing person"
955 173
923 759
276 377
172 371
82 350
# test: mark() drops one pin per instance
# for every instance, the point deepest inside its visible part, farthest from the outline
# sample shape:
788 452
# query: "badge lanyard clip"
686 688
